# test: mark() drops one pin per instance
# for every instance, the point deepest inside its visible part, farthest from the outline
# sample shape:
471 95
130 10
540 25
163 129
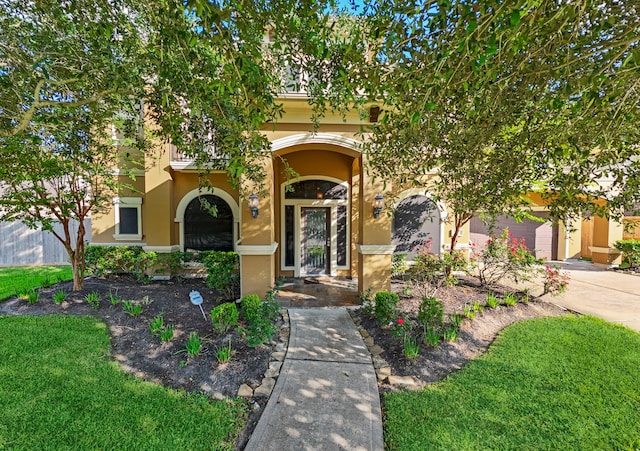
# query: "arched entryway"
207 221
417 222
315 226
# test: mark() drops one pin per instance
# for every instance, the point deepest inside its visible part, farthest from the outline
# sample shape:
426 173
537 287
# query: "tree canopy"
498 97
505 97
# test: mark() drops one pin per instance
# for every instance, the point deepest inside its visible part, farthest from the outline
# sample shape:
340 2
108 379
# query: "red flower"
400 321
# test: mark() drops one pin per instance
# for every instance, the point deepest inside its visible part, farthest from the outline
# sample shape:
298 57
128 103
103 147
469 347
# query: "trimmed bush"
250 305
385 306
104 260
259 318
224 316
223 272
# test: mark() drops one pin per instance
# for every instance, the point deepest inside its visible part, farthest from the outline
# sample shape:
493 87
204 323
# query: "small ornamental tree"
58 176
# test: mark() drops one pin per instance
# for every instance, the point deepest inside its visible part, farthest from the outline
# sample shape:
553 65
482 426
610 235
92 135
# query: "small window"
342 236
316 189
128 218
289 247
128 221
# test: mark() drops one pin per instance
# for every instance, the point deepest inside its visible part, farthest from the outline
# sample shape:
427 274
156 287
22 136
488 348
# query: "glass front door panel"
315 240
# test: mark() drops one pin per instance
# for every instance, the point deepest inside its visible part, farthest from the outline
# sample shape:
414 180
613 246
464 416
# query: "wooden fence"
20 245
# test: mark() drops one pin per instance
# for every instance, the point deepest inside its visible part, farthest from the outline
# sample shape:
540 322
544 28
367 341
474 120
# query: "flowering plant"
555 280
504 256
401 327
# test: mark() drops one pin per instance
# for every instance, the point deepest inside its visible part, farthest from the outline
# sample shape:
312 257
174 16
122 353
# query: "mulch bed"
143 354
434 364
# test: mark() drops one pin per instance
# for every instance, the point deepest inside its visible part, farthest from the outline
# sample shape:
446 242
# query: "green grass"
60 390
16 280
561 383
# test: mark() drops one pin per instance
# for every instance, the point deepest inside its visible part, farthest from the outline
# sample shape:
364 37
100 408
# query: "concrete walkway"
609 295
326 396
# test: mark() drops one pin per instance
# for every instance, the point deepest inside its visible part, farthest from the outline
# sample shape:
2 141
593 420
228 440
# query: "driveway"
609 295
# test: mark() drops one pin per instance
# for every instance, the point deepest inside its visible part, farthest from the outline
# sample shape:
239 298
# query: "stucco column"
569 239
374 246
257 246
158 209
605 233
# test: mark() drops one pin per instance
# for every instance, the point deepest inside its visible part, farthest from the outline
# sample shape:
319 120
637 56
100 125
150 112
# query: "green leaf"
515 18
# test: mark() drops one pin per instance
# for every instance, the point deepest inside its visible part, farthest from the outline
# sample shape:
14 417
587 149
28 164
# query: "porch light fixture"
378 205
253 204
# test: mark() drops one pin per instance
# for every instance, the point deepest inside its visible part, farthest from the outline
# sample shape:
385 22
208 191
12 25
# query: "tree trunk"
76 256
460 221
78 280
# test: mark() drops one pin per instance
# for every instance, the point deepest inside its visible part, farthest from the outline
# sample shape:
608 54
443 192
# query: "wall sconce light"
253 204
378 205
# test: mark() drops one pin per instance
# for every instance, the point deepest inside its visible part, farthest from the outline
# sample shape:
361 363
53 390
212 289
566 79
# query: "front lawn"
17 280
556 383
60 390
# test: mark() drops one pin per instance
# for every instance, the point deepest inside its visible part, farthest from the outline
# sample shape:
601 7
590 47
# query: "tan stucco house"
326 223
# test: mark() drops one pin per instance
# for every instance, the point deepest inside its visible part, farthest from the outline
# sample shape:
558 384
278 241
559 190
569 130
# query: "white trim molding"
161 249
257 249
127 202
315 138
375 249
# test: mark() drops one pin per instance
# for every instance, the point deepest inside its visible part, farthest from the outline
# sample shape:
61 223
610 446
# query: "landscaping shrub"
156 326
401 327
504 256
223 272
367 302
259 318
431 313
411 347
630 252
385 306
251 305
60 296
104 260
429 271
224 316
93 299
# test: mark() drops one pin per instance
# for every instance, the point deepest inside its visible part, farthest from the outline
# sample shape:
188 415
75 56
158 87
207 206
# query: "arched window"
203 230
415 221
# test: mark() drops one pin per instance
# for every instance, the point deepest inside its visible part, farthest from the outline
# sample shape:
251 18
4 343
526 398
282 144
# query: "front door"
316 241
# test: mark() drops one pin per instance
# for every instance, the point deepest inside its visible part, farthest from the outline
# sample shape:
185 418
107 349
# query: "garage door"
540 237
